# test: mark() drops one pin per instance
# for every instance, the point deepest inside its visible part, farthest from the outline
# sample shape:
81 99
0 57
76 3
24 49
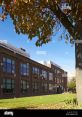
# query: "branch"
63 19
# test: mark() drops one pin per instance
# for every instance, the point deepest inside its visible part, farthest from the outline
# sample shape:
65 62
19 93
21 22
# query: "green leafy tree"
43 18
72 85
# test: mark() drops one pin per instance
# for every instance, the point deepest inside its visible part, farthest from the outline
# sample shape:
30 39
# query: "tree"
42 18
72 85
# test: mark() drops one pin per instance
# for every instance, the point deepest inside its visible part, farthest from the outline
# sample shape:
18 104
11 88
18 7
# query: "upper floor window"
8 65
50 76
58 71
8 85
62 80
25 69
57 80
44 73
55 71
35 70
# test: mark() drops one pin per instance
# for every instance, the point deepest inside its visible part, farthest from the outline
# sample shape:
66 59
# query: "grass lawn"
56 101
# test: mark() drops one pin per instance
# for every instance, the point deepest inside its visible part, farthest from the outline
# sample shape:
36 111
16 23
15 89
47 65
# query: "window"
44 87
55 71
44 74
57 80
50 76
35 87
50 87
35 70
58 71
8 85
24 86
24 69
62 80
8 65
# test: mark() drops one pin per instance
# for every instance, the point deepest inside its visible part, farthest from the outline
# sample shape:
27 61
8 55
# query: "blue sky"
57 51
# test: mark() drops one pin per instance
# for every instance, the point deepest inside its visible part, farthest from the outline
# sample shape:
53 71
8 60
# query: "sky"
57 50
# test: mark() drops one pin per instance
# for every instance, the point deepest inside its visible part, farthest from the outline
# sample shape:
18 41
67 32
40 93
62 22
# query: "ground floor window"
50 87
24 86
35 87
8 85
44 87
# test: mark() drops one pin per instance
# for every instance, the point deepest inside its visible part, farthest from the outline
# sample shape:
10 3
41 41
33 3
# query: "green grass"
38 102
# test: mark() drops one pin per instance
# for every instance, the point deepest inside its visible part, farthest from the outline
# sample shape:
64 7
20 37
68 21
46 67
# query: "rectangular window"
44 74
62 80
35 87
55 80
24 69
58 80
35 70
8 85
55 71
8 65
50 76
58 71
24 86
50 87
44 87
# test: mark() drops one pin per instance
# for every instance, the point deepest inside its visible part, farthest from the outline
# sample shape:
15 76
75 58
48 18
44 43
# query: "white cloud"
4 41
39 52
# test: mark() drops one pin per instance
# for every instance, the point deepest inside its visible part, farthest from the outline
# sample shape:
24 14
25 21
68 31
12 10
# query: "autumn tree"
42 18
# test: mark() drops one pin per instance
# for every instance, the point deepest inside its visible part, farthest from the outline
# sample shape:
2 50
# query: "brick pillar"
17 78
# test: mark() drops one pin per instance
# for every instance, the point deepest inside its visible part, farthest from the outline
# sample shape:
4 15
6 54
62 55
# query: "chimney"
23 49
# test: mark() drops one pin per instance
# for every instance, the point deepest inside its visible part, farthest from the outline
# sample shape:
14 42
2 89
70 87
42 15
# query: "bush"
72 101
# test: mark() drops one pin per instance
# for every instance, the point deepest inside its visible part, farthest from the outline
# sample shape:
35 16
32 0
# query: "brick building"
21 76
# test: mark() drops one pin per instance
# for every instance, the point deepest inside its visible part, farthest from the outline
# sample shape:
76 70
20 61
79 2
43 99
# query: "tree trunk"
78 56
78 51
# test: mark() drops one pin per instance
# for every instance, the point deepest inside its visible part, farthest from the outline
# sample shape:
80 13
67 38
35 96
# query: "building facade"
21 76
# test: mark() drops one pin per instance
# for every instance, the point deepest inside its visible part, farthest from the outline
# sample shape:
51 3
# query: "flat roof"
25 54
49 63
14 49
